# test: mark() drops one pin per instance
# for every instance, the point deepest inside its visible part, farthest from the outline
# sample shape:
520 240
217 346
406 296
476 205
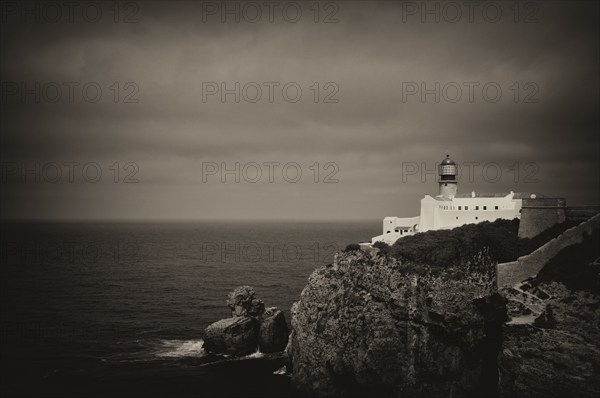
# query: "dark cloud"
370 133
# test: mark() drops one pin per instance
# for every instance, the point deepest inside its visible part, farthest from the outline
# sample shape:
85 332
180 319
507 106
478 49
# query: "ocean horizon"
85 300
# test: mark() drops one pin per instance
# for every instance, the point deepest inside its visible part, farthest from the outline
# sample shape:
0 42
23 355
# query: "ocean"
98 309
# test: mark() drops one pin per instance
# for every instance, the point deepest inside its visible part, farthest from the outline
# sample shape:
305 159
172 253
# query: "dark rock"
257 308
234 336
369 325
240 300
559 354
273 335
542 294
250 328
546 319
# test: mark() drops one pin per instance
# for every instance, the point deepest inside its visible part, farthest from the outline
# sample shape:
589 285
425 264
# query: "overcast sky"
542 133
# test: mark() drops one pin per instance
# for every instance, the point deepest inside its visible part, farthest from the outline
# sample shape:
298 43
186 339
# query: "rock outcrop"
235 336
556 353
551 345
242 302
373 326
273 336
250 328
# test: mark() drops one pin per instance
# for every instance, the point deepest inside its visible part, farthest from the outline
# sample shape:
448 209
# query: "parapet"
539 214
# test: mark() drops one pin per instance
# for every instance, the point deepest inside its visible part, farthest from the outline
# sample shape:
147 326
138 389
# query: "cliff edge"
375 326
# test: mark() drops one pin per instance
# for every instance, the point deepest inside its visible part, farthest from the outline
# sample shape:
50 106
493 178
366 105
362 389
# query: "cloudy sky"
359 97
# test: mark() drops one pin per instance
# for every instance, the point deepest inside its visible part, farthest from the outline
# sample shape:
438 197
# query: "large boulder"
234 336
373 326
250 328
273 336
242 302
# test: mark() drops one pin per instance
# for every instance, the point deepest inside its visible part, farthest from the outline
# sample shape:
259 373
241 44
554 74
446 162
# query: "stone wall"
581 213
537 215
527 266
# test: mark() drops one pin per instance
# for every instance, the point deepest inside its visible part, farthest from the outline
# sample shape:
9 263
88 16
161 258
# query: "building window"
387 232
466 207
477 218
484 207
496 208
459 207
457 218
476 207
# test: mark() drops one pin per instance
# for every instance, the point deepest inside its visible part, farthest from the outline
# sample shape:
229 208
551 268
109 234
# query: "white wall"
390 223
428 210
445 214
390 236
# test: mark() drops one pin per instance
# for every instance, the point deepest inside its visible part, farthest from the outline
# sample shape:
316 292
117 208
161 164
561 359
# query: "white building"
451 209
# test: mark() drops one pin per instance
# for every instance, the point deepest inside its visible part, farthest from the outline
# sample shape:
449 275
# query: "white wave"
257 354
180 348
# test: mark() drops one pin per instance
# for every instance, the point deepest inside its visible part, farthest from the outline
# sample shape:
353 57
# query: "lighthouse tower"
447 178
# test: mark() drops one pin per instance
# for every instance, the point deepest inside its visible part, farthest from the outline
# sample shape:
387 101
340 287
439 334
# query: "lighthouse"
450 209
447 181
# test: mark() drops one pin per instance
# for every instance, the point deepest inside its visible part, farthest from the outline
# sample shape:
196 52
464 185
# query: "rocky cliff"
426 320
372 325
551 346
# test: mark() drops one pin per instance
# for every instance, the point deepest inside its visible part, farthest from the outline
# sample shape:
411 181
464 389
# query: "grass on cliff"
445 247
